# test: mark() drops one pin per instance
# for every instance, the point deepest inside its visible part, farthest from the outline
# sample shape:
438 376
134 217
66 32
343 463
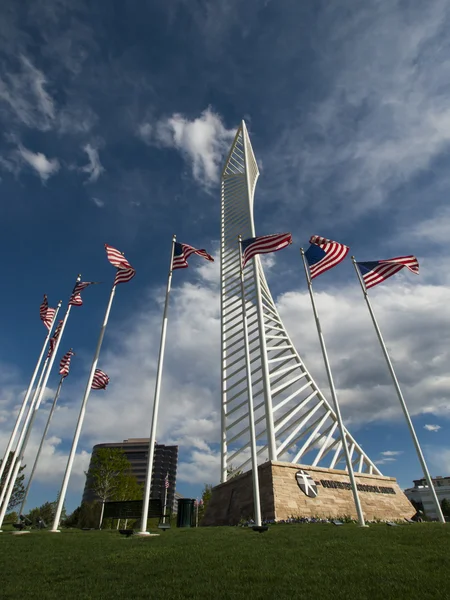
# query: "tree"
73 519
85 516
206 497
445 505
418 506
11 517
19 489
232 473
128 488
46 512
107 467
106 474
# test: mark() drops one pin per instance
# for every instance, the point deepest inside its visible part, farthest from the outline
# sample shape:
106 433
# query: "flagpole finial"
174 237
60 304
302 252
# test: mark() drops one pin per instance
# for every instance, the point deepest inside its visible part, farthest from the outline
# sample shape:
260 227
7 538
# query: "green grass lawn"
289 561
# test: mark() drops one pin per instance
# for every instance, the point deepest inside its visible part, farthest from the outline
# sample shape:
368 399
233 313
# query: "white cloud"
76 119
145 131
39 162
439 458
383 117
94 168
411 331
434 428
204 141
392 452
435 227
389 456
25 94
99 203
383 461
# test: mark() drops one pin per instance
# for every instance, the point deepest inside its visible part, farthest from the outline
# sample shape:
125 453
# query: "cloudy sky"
115 120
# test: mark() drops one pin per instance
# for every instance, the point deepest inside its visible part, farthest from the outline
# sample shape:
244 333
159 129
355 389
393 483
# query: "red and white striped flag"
75 299
64 365
46 314
100 380
264 244
54 338
183 251
324 254
125 271
166 481
376 271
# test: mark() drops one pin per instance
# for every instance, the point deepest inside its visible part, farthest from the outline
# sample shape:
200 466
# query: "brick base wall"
281 496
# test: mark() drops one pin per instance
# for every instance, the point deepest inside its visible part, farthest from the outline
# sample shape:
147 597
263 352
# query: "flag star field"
116 120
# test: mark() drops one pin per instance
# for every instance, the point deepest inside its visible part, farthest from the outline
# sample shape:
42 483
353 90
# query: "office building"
421 493
136 450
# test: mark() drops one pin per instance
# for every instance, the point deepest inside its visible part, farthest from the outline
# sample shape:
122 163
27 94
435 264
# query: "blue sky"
115 121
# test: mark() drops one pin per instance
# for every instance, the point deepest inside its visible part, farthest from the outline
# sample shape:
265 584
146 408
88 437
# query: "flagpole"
152 440
196 516
27 394
334 396
28 418
21 451
62 494
251 416
400 395
44 435
165 497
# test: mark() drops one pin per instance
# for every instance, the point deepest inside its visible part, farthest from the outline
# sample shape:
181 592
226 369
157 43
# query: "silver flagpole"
23 432
27 395
44 435
21 451
400 396
165 498
251 416
334 396
152 440
76 437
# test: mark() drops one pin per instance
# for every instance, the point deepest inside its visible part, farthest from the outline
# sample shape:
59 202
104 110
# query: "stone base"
281 496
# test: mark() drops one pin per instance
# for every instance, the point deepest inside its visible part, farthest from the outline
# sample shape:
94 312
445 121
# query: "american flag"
100 380
166 481
324 254
124 275
263 245
183 251
374 272
75 299
200 502
47 314
54 338
64 365
125 271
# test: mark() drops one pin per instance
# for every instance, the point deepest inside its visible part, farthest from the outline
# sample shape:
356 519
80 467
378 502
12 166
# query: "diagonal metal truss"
294 421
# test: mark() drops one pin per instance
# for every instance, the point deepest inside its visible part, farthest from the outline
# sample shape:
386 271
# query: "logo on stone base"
306 484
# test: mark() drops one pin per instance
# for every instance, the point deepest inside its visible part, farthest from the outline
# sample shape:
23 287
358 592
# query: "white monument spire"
294 421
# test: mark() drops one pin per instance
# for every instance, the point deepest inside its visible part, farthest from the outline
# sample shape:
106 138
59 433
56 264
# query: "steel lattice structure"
294 421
